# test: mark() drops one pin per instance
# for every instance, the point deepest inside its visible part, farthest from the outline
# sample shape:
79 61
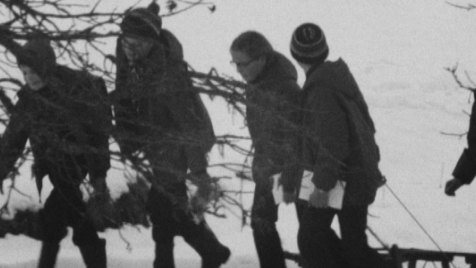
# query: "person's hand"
452 186
101 192
207 191
1 186
100 205
319 199
289 197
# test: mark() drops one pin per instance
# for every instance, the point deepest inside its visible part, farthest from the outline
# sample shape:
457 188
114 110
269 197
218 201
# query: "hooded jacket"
69 117
156 105
339 141
272 113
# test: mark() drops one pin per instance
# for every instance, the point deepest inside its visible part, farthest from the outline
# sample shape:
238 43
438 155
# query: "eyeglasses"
242 64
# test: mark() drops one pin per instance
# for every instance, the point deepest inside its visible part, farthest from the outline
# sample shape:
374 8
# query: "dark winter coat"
68 117
339 133
465 169
155 105
272 114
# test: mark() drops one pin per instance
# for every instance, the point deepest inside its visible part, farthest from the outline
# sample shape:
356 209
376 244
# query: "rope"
419 224
384 245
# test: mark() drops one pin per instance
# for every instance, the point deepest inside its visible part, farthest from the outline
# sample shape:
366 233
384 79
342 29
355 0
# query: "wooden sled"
397 257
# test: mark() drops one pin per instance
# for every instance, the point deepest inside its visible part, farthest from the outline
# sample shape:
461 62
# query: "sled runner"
397 257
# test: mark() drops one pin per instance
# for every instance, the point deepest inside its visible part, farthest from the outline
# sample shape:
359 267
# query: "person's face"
135 48
34 81
249 68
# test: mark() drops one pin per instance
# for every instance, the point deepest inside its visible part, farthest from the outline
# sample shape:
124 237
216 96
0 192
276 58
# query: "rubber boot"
164 255
48 255
213 253
94 255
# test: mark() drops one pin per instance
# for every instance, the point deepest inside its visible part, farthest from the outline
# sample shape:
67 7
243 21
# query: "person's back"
272 114
360 168
340 152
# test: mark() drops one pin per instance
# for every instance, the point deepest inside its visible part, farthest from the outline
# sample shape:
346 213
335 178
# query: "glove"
289 197
100 205
101 192
452 186
207 191
319 199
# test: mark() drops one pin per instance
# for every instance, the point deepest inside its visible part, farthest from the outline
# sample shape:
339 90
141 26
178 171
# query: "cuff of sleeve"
465 169
98 170
196 160
290 179
323 181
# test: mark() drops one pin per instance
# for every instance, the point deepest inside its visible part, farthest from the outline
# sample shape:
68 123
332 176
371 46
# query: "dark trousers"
264 215
320 246
65 207
167 210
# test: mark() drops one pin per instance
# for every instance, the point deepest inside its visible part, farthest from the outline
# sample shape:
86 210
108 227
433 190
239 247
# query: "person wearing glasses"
163 126
272 114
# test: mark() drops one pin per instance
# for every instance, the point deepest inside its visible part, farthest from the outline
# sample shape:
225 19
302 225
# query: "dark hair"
252 43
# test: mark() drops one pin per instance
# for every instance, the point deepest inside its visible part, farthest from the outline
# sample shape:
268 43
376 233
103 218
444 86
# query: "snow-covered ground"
397 50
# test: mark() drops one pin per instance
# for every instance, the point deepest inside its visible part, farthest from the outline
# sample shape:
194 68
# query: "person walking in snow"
338 146
272 101
465 169
159 116
64 115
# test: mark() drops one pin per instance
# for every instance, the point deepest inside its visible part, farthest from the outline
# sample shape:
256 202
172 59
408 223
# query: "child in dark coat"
64 115
338 147
160 116
272 114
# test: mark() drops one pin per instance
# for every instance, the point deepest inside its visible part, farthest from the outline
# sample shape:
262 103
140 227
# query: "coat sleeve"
13 140
97 129
183 105
465 169
125 113
329 138
289 131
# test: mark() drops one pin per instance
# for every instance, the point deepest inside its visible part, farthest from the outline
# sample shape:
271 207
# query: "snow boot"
94 255
221 256
48 255
164 255
206 244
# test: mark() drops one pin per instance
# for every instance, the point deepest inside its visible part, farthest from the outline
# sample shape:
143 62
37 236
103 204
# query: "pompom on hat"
143 22
308 44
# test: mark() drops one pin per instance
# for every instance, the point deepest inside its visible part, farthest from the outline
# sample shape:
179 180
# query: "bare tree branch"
468 7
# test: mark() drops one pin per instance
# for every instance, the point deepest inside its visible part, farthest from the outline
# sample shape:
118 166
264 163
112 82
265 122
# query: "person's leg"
264 214
201 238
353 223
85 237
164 228
197 234
318 244
66 178
169 164
53 229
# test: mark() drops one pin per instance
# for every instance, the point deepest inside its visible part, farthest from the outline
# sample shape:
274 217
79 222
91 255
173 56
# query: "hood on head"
38 55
